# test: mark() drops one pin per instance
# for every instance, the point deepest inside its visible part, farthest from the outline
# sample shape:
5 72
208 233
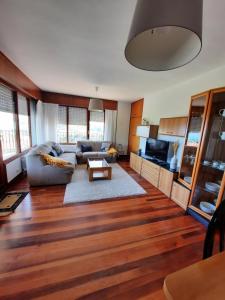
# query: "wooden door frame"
207 94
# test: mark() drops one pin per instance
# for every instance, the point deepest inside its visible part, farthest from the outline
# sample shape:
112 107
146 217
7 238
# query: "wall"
10 74
175 100
123 123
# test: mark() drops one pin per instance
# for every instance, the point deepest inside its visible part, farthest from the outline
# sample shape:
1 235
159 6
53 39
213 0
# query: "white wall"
13 169
175 101
123 124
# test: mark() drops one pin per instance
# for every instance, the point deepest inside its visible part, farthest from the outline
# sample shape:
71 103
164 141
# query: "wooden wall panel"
135 120
14 77
71 100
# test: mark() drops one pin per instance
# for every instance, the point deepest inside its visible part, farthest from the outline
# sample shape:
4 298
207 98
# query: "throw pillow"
55 161
51 153
105 146
86 148
57 148
112 151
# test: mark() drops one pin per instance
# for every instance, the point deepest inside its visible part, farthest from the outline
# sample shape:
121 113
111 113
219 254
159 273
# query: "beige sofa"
97 151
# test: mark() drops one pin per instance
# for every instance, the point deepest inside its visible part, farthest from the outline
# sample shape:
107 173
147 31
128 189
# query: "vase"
173 162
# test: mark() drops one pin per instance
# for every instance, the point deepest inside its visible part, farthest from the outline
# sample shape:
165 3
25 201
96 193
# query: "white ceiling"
70 46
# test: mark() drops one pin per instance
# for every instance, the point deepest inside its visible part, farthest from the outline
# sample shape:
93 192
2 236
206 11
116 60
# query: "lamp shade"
164 34
95 104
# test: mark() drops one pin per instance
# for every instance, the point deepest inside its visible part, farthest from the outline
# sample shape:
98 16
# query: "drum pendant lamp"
165 34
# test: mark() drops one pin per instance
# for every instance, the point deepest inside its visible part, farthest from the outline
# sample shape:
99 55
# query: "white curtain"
46 122
40 131
110 125
51 121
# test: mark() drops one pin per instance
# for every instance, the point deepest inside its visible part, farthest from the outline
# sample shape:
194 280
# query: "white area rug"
81 190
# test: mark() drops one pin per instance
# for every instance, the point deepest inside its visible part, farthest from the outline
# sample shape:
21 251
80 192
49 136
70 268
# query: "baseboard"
15 179
196 216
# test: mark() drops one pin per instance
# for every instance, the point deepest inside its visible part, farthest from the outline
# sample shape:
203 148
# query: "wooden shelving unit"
205 143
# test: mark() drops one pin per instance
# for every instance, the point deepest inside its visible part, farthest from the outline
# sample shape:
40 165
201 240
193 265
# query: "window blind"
62 115
77 116
7 103
22 105
97 116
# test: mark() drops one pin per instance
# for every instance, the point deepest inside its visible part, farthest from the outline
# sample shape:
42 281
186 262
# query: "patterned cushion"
57 148
105 146
53 153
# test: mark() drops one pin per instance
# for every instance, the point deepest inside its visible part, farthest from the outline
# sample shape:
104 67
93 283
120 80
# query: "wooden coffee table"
98 168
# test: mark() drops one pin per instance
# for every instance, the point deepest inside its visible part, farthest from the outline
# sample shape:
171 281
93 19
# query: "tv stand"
154 171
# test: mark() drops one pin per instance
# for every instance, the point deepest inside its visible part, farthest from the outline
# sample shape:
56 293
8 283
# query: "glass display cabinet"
209 179
196 121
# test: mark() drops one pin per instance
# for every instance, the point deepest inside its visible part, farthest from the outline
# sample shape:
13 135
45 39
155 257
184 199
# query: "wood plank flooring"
116 249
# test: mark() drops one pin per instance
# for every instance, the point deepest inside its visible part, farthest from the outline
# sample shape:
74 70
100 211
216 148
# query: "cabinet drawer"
165 181
180 195
150 172
135 162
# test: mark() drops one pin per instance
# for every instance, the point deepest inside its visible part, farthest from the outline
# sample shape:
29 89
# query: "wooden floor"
117 249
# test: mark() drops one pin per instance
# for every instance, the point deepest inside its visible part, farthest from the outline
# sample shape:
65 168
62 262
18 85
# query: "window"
24 123
73 125
77 124
7 122
96 127
15 122
62 124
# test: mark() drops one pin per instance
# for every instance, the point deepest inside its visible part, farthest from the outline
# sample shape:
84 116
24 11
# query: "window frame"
88 122
19 153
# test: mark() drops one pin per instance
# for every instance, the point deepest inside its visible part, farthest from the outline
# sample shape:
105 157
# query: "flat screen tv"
157 149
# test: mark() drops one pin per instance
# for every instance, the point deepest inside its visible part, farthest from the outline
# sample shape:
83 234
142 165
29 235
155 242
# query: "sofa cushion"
103 154
71 157
90 154
86 148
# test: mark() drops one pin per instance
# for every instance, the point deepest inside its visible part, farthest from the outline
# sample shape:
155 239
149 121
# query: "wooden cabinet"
173 126
208 186
150 172
147 131
180 195
137 108
166 181
136 162
135 120
157 176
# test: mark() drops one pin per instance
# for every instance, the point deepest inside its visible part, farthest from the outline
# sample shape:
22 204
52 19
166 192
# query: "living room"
112 157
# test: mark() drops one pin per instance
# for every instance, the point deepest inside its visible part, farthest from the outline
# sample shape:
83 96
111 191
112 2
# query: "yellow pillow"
112 151
55 161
